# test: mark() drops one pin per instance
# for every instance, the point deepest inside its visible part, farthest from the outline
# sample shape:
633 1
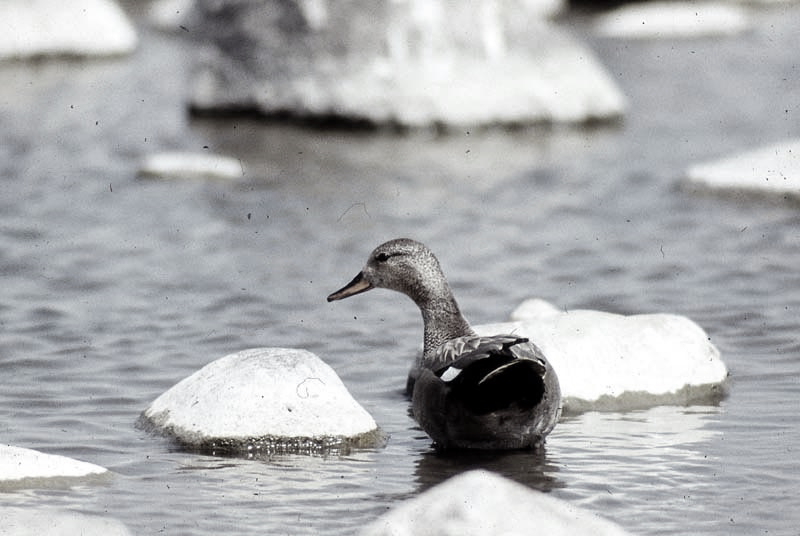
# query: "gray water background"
113 288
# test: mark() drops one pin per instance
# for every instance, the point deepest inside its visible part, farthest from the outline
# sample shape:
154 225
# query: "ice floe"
45 521
188 165
263 400
673 19
18 464
30 28
479 502
410 64
773 169
611 361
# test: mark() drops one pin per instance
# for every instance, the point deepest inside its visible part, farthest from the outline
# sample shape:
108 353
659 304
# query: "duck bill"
358 285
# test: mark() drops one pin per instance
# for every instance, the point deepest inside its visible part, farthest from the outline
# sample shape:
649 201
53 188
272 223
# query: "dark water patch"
528 466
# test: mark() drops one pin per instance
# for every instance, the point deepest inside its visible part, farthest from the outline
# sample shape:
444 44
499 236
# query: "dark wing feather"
492 373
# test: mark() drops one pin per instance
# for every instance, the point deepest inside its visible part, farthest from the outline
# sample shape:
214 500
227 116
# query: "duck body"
495 392
467 391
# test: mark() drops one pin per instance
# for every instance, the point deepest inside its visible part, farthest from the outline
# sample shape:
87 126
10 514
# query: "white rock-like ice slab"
673 19
50 522
774 169
18 464
479 502
262 398
30 28
533 309
188 165
411 64
610 361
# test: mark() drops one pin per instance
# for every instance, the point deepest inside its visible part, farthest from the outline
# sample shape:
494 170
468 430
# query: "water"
114 288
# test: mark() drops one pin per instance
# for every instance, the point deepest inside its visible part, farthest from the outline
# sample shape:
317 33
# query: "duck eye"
382 257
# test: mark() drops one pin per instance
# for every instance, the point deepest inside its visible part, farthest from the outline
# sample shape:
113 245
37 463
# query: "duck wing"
492 373
470 348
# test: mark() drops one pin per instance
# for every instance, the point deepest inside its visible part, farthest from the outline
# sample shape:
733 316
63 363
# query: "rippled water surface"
114 287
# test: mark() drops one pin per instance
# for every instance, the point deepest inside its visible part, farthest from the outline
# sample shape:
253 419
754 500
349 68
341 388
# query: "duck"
467 391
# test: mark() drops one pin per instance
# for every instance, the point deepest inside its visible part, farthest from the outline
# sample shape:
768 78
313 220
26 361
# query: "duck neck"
443 321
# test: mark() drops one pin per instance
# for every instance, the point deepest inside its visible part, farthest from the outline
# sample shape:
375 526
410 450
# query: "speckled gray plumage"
448 407
417 274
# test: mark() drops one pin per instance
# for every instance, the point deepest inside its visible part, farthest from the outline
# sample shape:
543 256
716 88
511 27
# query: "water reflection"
639 456
608 452
530 467
386 164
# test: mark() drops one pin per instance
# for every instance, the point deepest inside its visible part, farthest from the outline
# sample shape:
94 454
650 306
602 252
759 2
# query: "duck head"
403 265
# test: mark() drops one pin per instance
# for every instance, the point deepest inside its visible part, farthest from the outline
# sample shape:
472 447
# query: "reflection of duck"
491 392
533 468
